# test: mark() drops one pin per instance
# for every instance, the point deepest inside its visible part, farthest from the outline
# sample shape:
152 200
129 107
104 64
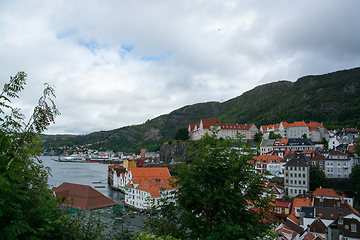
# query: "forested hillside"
333 99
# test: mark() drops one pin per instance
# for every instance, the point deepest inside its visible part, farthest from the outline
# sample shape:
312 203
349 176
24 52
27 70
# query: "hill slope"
333 99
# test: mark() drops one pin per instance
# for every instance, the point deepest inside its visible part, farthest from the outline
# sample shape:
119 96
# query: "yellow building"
129 164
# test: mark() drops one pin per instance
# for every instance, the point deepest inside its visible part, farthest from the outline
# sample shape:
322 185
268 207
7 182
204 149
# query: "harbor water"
93 174
87 173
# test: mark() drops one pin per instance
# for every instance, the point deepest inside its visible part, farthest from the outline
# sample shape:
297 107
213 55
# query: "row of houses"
320 215
314 131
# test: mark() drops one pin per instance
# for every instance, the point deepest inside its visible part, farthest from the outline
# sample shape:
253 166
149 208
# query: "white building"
197 131
337 165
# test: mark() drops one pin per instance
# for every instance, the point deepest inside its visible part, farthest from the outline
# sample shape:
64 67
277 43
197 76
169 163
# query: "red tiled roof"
282 204
84 197
236 126
351 149
294 219
208 123
309 236
267 158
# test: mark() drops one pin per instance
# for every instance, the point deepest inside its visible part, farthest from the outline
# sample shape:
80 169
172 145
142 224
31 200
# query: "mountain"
332 99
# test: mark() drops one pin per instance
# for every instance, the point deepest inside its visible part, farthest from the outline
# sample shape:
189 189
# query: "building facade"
297 177
197 131
314 131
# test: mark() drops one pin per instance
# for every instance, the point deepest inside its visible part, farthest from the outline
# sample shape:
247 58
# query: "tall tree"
182 134
26 206
355 176
317 178
258 137
219 194
273 135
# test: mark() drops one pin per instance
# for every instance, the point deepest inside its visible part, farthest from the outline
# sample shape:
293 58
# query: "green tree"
355 176
357 146
317 178
325 142
217 188
273 135
27 207
182 134
258 137
304 136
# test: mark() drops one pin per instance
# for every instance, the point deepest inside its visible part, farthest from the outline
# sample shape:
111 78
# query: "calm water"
80 173
87 173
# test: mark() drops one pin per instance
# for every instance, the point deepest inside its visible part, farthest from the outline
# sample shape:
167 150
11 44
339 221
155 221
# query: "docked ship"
70 159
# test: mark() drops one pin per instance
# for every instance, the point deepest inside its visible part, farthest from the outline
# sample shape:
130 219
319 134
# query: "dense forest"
332 99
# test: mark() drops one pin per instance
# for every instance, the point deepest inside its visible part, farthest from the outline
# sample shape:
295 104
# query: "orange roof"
268 158
313 126
294 219
281 141
148 173
325 192
298 124
299 202
154 186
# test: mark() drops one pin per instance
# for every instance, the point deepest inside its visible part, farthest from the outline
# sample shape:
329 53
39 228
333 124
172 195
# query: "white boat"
70 159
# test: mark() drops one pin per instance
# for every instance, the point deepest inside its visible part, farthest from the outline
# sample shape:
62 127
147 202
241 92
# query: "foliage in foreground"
219 195
28 209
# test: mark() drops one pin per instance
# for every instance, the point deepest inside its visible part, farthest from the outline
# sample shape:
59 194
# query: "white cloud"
117 63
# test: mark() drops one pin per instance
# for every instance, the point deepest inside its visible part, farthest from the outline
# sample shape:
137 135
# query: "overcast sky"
119 63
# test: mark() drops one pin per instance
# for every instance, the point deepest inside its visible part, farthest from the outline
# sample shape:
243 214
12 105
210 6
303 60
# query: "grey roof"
267 142
298 161
299 141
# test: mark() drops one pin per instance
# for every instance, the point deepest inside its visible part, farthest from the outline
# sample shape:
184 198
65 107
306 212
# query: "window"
304 175
304 182
353 227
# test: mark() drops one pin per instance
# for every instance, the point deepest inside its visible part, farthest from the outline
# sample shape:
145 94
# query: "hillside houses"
196 131
321 215
314 131
286 144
